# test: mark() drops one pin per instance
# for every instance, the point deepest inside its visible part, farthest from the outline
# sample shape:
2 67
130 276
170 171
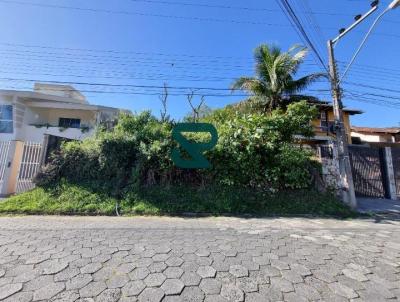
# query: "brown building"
324 124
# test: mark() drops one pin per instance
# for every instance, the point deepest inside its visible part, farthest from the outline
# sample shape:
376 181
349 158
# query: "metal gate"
368 171
396 168
30 163
4 149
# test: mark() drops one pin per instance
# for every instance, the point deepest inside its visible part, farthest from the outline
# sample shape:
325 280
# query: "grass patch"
69 199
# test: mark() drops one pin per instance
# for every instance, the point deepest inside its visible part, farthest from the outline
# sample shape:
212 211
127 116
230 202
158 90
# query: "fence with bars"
29 166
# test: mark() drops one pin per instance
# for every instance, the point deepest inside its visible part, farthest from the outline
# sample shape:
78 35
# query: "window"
6 119
326 125
69 122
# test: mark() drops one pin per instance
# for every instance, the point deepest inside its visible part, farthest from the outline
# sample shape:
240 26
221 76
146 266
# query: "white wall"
373 138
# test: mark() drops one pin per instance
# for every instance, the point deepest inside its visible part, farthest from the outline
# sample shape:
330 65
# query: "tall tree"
273 85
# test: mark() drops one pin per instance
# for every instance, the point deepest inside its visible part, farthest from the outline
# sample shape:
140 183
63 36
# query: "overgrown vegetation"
69 199
258 166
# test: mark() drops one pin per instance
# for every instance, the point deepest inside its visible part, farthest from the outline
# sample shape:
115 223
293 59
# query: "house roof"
389 130
328 105
45 100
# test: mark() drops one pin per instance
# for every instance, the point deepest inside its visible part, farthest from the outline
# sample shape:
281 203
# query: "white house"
375 135
27 118
58 110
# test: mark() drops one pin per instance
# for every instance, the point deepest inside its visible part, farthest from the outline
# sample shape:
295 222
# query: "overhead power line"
191 18
108 85
294 20
98 10
255 9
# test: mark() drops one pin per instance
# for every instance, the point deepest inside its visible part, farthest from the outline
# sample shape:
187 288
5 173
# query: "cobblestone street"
208 259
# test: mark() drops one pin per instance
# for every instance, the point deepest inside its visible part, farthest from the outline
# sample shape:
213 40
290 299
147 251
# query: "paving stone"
324 276
342 290
173 272
292 276
133 288
272 292
144 262
210 286
92 289
66 296
174 261
157 267
279 264
327 260
294 297
109 295
250 265
190 279
38 282
307 291
351 283
117 281
232 293
172 287
19 297
91 268
139 273
246 284
255 297
151 295
206 272
156 279
9 289
49 291
353 274
282 284
238 271
215 298
192 294
66 274
379 288
78 281
54 267
172 299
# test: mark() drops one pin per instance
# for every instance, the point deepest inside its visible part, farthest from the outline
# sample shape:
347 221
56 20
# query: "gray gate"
4 149
368 171
396 168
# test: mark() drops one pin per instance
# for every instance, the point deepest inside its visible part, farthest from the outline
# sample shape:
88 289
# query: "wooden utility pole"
346 177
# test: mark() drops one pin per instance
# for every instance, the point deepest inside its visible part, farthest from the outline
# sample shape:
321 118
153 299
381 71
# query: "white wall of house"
374 138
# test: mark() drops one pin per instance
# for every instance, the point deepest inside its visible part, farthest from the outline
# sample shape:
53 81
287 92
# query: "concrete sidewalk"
377 205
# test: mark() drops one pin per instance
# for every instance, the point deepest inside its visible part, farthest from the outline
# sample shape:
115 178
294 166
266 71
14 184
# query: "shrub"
255 150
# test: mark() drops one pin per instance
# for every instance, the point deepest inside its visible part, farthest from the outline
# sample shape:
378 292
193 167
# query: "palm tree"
274 85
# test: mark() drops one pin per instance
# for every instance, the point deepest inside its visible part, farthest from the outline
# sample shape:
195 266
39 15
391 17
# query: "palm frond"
302 83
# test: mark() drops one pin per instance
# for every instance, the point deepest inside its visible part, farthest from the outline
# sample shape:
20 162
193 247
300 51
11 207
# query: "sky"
120 53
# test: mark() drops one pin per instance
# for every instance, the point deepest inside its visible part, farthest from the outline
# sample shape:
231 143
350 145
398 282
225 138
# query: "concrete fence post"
391 181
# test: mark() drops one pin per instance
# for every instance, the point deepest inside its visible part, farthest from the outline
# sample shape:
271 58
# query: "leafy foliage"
273 85
254 150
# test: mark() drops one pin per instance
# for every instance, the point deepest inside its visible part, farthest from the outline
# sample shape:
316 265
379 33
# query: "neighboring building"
30 119
362 135
324 124
58 110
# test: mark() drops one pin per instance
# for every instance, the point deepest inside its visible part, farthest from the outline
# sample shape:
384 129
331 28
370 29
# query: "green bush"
254 150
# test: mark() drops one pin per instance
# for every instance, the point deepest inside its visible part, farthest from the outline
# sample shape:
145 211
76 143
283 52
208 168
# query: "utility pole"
346 177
